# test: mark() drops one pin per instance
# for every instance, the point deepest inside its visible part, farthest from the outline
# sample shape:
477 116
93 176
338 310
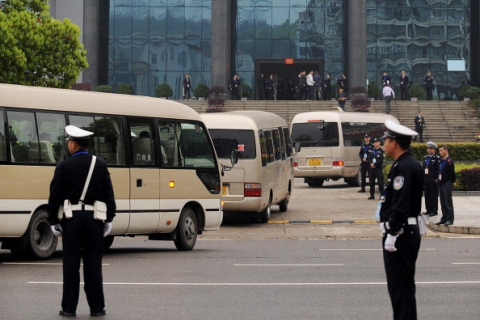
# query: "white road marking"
366 249
466 263
287 265
43 263
255 284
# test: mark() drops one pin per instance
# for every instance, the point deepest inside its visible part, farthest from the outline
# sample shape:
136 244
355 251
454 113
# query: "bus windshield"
227 140
316 134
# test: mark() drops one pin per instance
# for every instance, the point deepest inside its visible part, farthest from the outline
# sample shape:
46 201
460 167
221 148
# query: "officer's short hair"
404 143
444 147
83 143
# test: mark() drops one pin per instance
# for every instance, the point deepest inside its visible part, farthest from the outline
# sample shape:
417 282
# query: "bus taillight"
252 190
338 162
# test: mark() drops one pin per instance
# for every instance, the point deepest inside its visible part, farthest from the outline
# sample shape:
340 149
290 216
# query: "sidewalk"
466 207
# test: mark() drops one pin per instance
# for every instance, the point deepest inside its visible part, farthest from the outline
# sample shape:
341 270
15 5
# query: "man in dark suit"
386 79
403 85
327 87
429 85
419 124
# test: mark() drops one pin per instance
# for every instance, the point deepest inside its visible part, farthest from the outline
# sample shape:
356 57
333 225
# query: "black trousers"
364 170
376 173
429 93
446 201
431 197
403 93
400 271
82 238
327 94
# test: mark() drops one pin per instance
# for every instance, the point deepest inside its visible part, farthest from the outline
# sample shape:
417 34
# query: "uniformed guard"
82 234
400 220
376 167
364 155
446 180
430 166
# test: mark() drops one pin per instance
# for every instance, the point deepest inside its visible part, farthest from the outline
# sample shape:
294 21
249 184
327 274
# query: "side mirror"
298 147
234 157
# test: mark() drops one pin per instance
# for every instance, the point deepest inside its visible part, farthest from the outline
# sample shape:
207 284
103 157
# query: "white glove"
390 243
56 229
107 227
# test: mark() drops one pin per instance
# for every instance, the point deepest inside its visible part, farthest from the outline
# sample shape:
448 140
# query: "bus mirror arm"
233 160
298 147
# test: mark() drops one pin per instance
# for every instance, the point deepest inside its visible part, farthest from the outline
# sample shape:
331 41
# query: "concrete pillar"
474 43
356 42
221 42
95 40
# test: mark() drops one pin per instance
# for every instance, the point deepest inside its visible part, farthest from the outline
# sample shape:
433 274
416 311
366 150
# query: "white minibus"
330 144
263 175
160 156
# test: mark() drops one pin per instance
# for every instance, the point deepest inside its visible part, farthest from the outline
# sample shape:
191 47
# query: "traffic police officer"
364 155
82 235
376 167
430 166
399 217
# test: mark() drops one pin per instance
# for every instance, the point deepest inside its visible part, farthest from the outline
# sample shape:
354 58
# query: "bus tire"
39 238
107 242
187 230
267 212
317 183
284 203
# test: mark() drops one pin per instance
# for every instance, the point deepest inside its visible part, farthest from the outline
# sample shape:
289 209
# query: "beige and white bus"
160 156
263 175
330 143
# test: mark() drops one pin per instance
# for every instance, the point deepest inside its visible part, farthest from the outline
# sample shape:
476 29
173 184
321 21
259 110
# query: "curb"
451 229
322 221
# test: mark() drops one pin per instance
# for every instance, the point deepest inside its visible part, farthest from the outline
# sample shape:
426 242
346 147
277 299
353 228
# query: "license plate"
224 190
315 161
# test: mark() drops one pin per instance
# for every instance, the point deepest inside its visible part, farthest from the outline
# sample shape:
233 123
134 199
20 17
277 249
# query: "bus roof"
92 102
243 119
342 117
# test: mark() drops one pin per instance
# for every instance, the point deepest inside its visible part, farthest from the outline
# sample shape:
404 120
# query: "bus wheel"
187 230
317 183
284 203
267 212
107 242
40 241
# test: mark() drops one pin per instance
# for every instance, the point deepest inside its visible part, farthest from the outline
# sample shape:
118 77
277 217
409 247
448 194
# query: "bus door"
144 177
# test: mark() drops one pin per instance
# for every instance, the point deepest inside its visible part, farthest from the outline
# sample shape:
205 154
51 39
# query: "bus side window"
3 138
109 140
288 142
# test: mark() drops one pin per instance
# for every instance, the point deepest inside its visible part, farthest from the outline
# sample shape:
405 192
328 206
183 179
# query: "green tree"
36 49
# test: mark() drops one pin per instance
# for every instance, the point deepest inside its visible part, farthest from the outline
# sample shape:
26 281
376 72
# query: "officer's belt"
82 207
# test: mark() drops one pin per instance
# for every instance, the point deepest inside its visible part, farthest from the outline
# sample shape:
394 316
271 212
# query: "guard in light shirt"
400 221
81 230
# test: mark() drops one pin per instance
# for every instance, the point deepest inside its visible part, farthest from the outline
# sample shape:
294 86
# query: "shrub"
124 89
201 91
245 90
468 180
416 91
83 86
459 151
217 98
475 103
373 91
473 93
163 91
462 91
360 104
104 88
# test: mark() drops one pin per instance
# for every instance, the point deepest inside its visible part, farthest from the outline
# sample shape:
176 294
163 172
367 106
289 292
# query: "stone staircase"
445 121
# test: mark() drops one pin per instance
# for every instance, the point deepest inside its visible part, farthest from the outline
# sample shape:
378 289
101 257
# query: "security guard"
399 216
446 180
376 167
364 155
431 166
82 235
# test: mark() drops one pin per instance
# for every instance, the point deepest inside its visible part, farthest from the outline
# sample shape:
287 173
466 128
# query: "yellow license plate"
224 190
315 161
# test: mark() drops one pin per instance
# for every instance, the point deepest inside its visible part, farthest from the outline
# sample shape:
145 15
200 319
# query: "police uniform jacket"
403 192
366 148
378 155
68 182
447 170
429 81
432 164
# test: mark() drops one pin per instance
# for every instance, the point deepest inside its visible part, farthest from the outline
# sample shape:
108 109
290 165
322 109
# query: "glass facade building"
159 41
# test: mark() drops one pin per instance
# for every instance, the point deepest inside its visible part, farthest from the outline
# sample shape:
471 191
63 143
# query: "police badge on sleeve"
398 182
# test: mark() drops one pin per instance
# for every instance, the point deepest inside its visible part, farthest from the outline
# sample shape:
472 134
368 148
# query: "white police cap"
431 144
75 133
397 131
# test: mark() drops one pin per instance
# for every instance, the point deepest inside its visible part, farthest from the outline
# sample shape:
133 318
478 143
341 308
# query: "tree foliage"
36 49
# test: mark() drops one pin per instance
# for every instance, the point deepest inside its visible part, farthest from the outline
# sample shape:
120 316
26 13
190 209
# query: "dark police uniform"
82 235
446 179
429 86
430 167
364 153
399 214
376 158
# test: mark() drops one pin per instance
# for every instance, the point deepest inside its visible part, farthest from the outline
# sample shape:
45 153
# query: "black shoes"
66 314
361 191
448 223
432 214
371 198
439 223
98 314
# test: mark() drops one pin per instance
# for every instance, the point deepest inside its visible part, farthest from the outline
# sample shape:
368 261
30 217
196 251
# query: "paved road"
252 279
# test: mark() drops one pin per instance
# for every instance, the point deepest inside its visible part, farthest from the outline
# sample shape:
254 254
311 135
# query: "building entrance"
285 72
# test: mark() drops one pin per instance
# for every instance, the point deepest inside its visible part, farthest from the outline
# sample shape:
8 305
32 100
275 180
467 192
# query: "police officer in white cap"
401 206
431 164
82 234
